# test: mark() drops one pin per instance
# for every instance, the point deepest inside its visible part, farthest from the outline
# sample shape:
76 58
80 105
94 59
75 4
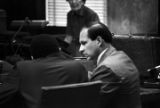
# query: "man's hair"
99 29
43 45
82 0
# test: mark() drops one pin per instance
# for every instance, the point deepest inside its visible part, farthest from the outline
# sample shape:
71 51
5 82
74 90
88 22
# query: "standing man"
114 68
77 17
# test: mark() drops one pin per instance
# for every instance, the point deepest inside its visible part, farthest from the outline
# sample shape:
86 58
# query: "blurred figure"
115 69
14 59
77 17
8 86
48 67
7 73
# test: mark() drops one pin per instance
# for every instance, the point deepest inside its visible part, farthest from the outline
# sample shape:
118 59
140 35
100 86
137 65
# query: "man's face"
88 47
75 4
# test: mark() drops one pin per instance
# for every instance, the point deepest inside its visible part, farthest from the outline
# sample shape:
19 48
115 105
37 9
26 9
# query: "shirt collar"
101 54
106 52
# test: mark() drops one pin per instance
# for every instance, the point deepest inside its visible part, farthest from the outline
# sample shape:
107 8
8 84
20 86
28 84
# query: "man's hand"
68 39
89 74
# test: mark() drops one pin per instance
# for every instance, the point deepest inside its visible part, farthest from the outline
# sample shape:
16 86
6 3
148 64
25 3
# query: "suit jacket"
121 80
49 71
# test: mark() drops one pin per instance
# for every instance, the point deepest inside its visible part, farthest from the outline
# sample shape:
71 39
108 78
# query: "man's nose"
81 49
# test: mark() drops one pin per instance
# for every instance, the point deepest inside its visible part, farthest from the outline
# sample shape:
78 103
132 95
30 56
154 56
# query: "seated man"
120 76
48 67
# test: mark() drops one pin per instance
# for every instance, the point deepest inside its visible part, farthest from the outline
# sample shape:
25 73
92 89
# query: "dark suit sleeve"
111 81
110 86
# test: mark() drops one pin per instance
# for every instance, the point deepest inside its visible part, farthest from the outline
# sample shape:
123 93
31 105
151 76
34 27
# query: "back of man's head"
99 29
43 45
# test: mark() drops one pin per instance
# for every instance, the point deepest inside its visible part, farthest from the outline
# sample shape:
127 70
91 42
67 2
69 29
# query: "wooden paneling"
133 16
142 50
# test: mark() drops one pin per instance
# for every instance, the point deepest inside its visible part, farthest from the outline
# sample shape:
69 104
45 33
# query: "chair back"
82 95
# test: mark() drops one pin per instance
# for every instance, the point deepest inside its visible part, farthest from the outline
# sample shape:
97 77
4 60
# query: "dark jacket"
52 70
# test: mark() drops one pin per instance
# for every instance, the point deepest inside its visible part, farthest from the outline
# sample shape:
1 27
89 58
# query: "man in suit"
49 67
116 70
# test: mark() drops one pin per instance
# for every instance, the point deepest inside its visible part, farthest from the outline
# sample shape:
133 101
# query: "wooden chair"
82 95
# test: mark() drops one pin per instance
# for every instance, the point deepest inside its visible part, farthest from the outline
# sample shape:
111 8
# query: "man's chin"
75 8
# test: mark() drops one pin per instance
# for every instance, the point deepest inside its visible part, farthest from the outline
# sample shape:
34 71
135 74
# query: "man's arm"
69 36
68 39
111 81
111 84
95 17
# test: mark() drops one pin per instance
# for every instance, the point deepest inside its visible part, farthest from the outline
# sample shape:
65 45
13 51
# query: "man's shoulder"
5 65
26 63
72 63
70 13
89 10
75 68
120 61
117 58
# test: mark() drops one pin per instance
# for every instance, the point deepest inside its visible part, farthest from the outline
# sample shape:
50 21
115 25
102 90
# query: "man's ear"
99 40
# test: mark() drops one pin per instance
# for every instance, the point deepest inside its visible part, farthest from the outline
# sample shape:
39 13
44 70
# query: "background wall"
125 16
133 16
